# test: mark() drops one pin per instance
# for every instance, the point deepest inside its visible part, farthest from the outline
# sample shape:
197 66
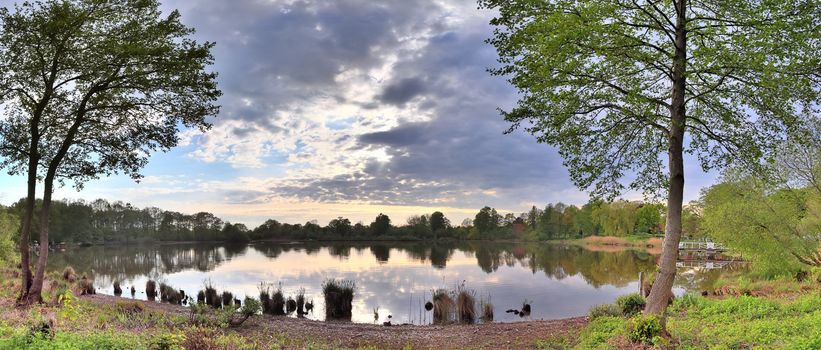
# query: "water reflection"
398 278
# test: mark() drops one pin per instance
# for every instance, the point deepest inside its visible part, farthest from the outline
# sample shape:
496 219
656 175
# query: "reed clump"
117 290
170 295
273 303
69 275
443 307
290 305
466 306
300 301
487 311
86 286
227 299
338 298
151 290
212 298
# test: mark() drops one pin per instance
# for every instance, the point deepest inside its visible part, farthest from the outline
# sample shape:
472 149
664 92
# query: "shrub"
630 304
644 329
201 297
604 310
338 298
168 341
250 307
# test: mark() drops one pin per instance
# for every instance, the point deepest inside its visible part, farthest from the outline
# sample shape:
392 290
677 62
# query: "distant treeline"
102 221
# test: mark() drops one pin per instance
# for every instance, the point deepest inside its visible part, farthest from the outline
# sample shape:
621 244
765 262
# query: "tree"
533 217
235 233
438 222
775 217
381 225
92 88
487 221
340 226
648 218
617 84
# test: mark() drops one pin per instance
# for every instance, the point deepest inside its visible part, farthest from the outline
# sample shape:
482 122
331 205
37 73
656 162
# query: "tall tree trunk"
25 233
36 289
663 286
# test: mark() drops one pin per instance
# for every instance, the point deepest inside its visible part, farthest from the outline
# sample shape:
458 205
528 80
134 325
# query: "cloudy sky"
348 108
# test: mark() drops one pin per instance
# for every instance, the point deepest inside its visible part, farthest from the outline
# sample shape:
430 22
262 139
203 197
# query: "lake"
396 277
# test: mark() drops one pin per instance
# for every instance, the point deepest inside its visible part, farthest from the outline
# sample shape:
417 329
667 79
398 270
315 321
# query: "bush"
604 310
168 341
644 329
630 304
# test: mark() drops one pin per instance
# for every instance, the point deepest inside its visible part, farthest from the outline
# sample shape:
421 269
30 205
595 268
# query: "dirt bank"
520 335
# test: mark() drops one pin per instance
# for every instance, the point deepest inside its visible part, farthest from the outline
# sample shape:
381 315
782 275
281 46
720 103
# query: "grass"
697 322
76 323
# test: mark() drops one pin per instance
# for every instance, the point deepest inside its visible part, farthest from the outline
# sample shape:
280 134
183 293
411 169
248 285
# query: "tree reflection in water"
563 280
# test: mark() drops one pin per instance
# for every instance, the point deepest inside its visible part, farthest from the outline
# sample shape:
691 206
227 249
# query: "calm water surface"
559 280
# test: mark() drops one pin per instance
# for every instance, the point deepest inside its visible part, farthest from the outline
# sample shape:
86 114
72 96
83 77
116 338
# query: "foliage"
630 304
604 310
9 226
617 86
168 341
250 307
778 229
599 331
644 328
381 225
68 306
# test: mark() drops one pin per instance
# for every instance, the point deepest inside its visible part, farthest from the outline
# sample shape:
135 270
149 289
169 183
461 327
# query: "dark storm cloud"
461 152
401 136
402 91
277 54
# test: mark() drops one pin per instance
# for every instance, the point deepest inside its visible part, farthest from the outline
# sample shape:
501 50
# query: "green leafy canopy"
595 79
93 87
